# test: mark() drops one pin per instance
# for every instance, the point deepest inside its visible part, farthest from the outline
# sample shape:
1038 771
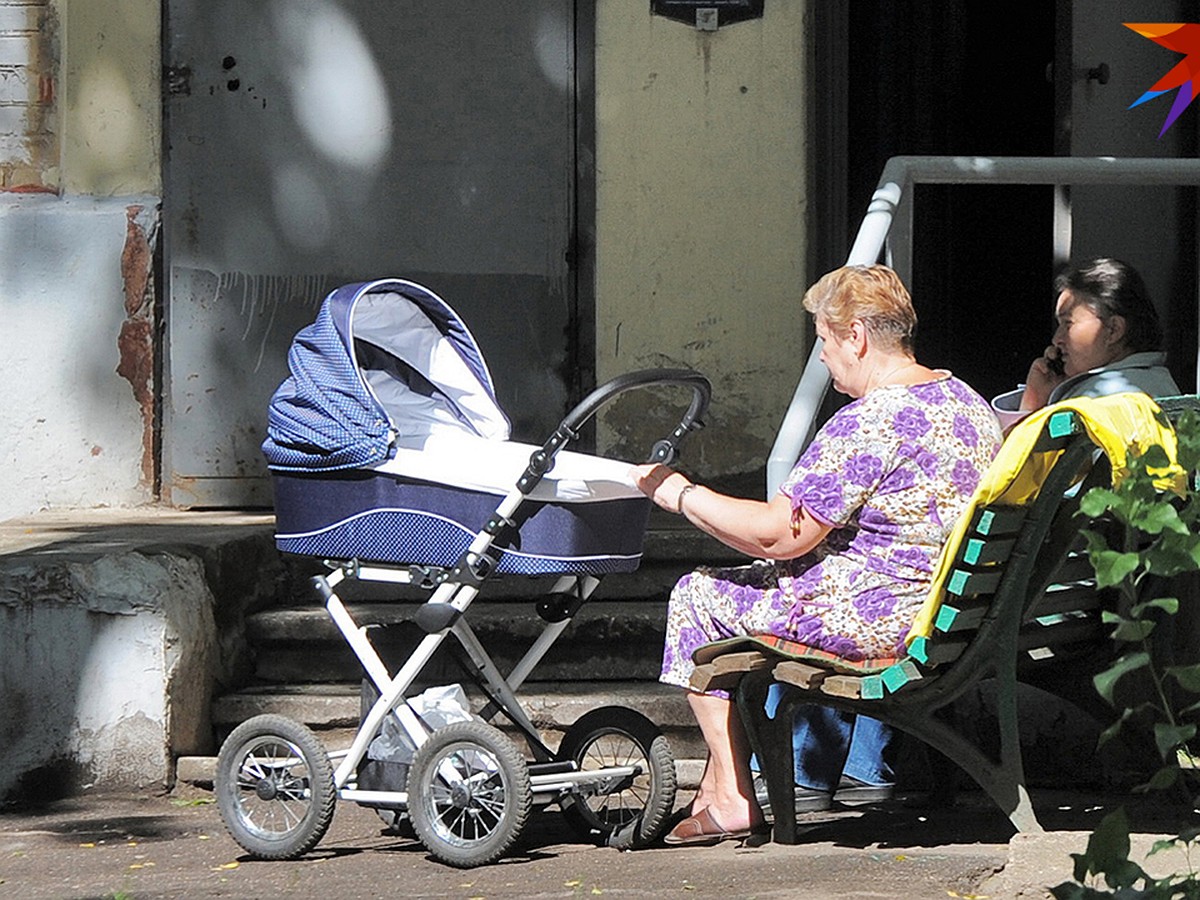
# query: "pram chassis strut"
475 817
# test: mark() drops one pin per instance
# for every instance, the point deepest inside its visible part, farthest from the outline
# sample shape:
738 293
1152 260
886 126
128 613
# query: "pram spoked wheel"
274 786
469 794
633 815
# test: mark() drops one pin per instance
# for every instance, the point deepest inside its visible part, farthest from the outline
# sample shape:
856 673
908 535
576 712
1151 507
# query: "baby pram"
391 462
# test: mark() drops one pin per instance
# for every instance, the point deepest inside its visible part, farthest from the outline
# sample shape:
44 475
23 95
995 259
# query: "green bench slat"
965 583
996 520
872 688
1076 567
980 551
959 617
1068 598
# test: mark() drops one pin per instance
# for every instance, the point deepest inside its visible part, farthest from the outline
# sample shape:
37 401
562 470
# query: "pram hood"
384 361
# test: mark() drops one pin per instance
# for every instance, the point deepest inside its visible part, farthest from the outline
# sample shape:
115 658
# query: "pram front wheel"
469 794
274 786
635 813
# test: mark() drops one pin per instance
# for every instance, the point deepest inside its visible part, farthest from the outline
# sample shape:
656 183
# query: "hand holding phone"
1054 361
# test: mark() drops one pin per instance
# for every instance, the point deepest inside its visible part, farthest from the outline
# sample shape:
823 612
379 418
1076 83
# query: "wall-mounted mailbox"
708 15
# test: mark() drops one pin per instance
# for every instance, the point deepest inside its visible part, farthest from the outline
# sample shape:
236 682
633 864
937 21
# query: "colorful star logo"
1182 38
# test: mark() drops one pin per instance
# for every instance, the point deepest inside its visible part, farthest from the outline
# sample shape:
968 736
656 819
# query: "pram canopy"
387 443
383 360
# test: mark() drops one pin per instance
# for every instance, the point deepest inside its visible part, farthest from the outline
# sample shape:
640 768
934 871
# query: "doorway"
950 79
314 143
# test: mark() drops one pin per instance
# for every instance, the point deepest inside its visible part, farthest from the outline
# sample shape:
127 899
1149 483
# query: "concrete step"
618 634
605 640
333 710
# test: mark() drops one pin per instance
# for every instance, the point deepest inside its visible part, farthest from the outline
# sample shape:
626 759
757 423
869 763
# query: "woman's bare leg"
726 788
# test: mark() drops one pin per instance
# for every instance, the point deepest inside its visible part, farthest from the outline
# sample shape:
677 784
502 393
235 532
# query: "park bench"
1013 589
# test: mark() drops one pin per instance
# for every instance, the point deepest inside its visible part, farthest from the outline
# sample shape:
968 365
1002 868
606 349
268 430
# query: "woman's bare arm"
759 529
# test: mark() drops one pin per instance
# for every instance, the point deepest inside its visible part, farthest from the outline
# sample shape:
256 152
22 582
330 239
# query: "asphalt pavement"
131 846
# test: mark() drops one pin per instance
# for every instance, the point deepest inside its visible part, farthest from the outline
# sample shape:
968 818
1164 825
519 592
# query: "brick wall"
28 142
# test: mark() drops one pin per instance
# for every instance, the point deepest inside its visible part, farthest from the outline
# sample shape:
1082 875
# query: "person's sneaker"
807 799
852 792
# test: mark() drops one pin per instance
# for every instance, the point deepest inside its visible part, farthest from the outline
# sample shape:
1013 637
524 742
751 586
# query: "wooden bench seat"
1019 592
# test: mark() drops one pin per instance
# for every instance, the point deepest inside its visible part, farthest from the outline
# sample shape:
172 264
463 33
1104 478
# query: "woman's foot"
703 828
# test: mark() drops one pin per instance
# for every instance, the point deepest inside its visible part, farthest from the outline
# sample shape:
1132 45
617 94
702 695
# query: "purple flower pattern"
863 469
875 603
930 394
891 472
899 479
843 426
965 431
965 477
911 422
821 494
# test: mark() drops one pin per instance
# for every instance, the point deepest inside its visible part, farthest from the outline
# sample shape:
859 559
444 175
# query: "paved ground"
126 846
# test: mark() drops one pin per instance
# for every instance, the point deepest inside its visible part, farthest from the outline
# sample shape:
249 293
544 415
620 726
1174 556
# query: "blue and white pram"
392 462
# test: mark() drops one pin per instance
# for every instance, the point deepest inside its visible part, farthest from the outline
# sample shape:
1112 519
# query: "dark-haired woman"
1108 340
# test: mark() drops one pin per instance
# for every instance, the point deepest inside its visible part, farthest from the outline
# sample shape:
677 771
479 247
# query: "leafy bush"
1155 540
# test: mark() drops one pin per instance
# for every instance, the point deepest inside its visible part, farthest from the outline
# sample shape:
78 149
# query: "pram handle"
664 451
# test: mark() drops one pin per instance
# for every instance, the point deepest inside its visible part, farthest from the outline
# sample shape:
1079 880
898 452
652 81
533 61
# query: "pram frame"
549 779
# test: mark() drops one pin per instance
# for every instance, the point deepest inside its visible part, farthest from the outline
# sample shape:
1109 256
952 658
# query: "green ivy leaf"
1169 605
1132 632
1187 676
1155 457
1107 852
1105 681
1112 567
1097 502
1129 630
1167 737
1158 517
1162 779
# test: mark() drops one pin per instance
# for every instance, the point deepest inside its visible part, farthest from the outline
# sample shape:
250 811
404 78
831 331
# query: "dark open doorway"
952 78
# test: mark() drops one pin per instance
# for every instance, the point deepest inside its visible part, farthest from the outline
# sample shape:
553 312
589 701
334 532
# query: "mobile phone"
1055 364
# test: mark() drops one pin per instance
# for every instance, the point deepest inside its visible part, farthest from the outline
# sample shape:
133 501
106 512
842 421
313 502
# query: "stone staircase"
298 664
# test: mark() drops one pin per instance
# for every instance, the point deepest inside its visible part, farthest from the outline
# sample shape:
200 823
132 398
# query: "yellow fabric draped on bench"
1118 424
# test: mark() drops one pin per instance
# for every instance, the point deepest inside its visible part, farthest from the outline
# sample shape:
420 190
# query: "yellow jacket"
1117 425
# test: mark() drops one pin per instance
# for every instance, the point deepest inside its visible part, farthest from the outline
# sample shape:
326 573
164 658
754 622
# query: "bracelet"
683 493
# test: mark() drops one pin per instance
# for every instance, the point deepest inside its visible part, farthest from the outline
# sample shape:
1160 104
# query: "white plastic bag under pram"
436 706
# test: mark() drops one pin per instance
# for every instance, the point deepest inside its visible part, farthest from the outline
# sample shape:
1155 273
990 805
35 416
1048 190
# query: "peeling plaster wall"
701 156
76 287
76 431
107 669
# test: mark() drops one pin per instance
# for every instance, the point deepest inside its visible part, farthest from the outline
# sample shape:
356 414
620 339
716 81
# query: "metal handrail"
887 225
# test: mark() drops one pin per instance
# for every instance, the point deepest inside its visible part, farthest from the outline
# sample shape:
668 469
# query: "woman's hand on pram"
763 530
662 484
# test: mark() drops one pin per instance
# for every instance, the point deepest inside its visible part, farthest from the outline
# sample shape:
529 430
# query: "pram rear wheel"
635 813
469 794
274 787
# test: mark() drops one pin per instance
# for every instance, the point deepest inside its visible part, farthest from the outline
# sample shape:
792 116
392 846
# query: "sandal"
702 829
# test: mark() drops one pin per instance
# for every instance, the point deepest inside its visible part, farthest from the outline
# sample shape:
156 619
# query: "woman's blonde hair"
873 294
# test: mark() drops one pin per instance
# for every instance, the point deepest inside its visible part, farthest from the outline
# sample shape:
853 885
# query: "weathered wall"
75 291
76 432
107 665
110 79
700 162
28 121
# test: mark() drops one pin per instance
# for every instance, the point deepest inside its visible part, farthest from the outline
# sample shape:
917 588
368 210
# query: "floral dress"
890 472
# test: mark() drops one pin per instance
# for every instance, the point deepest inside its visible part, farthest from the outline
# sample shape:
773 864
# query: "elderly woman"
1108 340
847 546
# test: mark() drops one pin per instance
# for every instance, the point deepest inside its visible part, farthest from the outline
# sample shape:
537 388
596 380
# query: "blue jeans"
828 743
